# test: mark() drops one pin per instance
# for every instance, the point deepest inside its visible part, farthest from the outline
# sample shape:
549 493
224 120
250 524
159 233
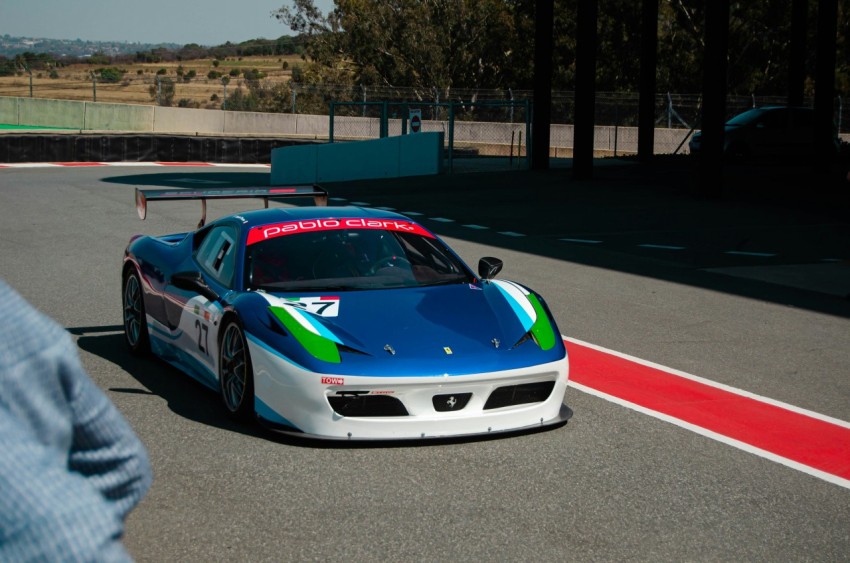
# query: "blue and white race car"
343 323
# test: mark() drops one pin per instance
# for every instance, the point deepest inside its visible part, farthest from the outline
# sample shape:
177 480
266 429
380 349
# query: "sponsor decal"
265 232
327 380
382 393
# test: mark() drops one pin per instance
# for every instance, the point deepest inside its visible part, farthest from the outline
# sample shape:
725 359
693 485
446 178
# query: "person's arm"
46 512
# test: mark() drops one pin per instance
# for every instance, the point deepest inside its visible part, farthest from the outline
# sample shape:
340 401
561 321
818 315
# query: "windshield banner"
265 232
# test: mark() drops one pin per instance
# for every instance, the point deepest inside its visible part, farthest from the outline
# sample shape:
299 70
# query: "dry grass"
74 82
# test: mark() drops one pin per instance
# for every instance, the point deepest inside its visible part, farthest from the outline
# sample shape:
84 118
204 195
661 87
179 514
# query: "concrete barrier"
255 123
118 117
9 111
391 157
187 120
52 113
487 138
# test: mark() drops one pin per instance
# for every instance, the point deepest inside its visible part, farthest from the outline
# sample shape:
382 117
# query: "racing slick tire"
235 373
135 322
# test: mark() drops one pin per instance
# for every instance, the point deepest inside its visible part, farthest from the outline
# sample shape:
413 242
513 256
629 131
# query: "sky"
205 22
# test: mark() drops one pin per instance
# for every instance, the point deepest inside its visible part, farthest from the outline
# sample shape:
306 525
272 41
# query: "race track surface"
616 483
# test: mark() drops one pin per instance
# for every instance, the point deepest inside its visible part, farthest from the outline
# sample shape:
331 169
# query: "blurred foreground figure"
71 468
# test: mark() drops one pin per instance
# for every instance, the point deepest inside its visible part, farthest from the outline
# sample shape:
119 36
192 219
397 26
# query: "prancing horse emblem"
451 402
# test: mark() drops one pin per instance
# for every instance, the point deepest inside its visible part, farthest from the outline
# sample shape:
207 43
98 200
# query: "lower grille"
525 393
367 405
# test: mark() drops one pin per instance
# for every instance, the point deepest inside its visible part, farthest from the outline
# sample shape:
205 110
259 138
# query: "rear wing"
319 195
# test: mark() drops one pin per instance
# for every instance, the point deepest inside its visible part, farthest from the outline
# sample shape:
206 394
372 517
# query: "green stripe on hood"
319 346
542 328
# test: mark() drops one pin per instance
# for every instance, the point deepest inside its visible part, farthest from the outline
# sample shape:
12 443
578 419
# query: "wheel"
135 323
235 375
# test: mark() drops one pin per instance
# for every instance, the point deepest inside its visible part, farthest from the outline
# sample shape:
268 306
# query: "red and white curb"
807 441
135 164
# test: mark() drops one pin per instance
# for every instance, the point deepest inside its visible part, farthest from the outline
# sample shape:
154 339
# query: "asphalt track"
622 481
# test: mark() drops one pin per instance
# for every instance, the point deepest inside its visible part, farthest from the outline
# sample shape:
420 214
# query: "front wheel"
135 322
235 374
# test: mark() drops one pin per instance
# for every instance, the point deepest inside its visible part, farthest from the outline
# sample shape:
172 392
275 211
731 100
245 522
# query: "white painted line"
411 213
442 220
337 199
476 227
662 246
360 203
581 240
711 383
744 253
511 234
385 208
834 479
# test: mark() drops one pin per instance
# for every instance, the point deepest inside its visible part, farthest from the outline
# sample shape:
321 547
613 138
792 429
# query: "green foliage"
478 44
234 72
99 59
253 74
161 72
109 75
213 75
261 97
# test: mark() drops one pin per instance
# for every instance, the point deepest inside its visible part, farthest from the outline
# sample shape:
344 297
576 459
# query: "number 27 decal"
203 337
322 306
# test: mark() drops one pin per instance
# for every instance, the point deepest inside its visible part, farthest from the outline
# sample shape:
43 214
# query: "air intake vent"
519 394
367 405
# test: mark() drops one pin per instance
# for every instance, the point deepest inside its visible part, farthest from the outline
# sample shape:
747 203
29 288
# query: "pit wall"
392 157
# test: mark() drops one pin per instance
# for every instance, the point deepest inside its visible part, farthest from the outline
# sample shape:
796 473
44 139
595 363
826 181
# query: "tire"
235 373
135 322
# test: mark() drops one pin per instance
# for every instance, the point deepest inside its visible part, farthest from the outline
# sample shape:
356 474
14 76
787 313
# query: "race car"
342 323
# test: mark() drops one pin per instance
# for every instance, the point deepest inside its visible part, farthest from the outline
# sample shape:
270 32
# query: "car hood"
455 329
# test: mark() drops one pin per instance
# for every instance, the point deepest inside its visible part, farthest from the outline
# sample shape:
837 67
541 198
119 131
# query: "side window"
217 254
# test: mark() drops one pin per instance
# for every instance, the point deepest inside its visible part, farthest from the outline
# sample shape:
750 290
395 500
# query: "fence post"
451 135
840 111
529 145
363 88
405 112
294 95
93 87
385 126
331 123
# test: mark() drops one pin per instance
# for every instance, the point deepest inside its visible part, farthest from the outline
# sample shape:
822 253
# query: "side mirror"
488 267
193 281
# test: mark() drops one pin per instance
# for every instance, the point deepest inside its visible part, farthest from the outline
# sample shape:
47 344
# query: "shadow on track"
192 400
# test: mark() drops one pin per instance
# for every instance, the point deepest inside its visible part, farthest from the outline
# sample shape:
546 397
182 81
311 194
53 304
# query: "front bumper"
292 400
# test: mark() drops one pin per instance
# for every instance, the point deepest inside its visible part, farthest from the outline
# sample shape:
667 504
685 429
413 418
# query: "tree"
440 43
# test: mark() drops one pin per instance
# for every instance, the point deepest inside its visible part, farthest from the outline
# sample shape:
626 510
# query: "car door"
198 318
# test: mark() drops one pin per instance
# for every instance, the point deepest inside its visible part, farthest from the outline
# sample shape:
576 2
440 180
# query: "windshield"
351 259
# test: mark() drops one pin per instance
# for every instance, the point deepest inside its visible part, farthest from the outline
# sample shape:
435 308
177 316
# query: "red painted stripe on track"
803 439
